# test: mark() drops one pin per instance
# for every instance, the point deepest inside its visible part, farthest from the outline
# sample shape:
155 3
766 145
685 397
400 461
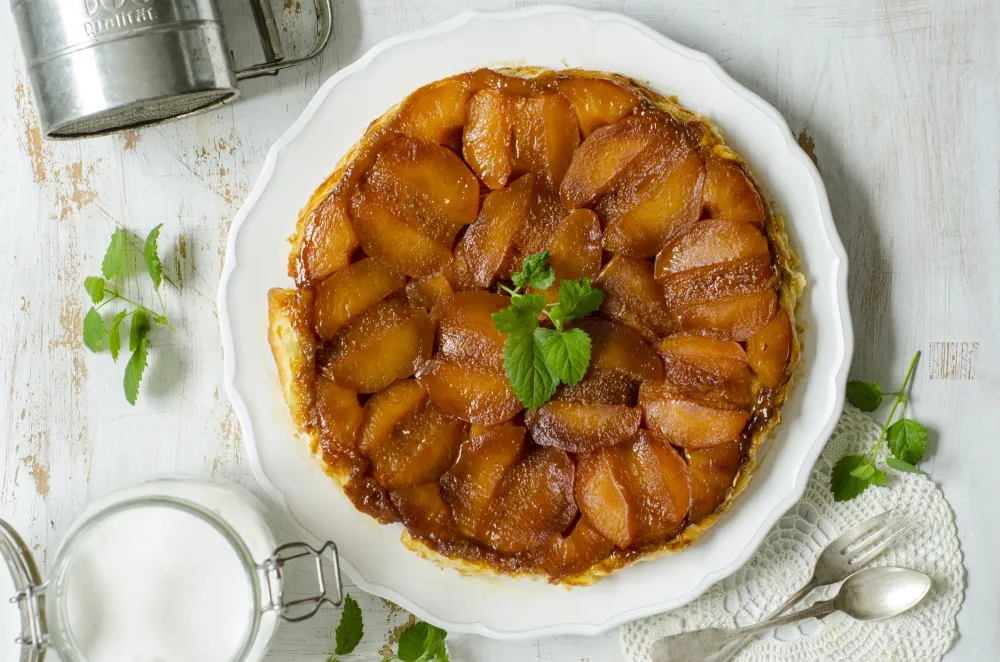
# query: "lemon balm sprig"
536 358
900 444
143 321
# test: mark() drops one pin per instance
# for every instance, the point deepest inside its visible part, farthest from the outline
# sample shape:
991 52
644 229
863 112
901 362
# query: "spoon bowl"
876 593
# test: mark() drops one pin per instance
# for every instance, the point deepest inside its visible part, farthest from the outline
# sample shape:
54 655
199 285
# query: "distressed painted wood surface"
896 99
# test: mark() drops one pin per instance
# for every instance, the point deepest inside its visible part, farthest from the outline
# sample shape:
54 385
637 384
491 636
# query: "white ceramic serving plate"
556 37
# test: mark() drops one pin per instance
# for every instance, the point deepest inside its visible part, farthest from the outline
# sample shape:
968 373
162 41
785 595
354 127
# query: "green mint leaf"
152 256
114 257
95 288
529 375
521 315
115 335
577 299
568 354
878 478
864 395
864 471
907 440
535 272
412 642
141 327
843 483
93 330
899 465
133 371
351 627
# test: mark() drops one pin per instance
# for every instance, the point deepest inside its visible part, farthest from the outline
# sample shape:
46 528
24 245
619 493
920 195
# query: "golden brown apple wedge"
603 158
387 342
471 485
634 298
490 239
601 492
719 281
697 363
769 349
709 242
421 447
338 417
488 139
729 193
385 410
428 291
615 347
601 387
534 503
546 134
736 319
597 102
436 112
713 471
466 333
565 556
581 427
424 513
400 246
678 420
329 240
347 293
426 185
483 397
660 482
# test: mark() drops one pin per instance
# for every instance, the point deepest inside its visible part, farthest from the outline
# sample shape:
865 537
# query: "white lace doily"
785 560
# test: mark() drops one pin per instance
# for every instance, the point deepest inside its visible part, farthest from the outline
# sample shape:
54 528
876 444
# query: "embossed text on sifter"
100 66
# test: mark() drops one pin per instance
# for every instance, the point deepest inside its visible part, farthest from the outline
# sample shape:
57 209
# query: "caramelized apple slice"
436 112
660 483
603 158
328 241
427 186
701 360
580 427
597 102
338 417
601 494
576 246
640 221
546 134
387 342
730 319
615 347
466 334
472 484
347 293
424 513
713 471
712 241
385 410
488 140
602 387
478 396
718 281
534 503
428 291
769 350
634 492
729 193
576 552
686 423
634 298
401 247
490 238
421 447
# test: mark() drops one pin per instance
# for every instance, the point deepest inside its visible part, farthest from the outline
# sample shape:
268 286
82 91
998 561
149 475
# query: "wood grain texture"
896 100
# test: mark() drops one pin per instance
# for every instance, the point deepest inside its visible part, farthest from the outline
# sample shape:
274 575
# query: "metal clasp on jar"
299 609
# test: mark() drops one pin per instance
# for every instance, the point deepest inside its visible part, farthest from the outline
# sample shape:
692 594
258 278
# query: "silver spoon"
867 595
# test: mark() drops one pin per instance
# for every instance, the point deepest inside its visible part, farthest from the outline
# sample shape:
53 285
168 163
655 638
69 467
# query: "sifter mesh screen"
141 113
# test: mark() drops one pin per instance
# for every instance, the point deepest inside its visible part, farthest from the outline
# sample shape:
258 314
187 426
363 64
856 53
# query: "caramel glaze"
354 471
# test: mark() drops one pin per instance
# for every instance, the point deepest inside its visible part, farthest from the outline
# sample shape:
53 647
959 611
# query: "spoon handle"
696 645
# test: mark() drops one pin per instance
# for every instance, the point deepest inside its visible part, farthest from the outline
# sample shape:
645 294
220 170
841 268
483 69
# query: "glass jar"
168 570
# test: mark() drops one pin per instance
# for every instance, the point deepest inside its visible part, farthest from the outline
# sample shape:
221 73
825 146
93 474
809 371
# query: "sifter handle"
274 55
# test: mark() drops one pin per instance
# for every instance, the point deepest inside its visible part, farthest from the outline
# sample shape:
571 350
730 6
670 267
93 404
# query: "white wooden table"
897 100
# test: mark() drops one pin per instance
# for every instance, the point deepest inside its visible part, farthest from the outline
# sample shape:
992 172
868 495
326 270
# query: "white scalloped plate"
555 37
